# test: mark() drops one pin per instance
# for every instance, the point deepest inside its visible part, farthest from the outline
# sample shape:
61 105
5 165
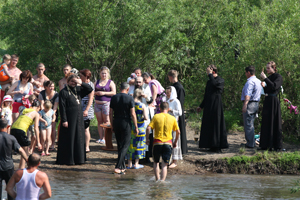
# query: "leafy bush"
158 36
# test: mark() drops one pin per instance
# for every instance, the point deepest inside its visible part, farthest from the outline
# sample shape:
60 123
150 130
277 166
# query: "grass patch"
279 159
242 150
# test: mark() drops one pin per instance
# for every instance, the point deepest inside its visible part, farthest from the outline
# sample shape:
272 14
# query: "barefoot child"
47 117
7 111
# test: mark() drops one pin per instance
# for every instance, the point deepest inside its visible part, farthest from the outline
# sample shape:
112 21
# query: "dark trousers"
150 146
122 129
5 175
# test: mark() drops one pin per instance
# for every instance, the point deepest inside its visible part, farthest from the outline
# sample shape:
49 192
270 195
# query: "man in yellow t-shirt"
163 124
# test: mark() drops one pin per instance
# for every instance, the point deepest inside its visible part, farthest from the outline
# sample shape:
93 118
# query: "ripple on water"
96 185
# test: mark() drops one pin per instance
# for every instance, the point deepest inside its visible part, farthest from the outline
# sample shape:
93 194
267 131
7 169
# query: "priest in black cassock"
172 75
213 131
271 125
71 143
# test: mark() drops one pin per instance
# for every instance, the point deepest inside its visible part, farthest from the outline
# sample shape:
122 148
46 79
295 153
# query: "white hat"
7 98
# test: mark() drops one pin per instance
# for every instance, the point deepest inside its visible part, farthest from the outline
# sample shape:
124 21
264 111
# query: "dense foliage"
156 36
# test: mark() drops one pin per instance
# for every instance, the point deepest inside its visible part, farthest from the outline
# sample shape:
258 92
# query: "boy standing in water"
163 124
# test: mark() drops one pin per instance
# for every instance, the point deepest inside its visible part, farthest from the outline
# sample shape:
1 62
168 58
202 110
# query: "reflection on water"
96 185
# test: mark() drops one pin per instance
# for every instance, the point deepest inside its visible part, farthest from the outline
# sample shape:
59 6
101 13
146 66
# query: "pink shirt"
160 88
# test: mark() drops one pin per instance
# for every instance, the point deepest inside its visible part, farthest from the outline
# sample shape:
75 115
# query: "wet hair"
147 75
250 69
67 65
124 86
87 73
164 106
48 83
107 69
48 104
173 73
3 123
40 65
36 103
34 160
273 65
6 57
138 94
214 68
15 56
26 74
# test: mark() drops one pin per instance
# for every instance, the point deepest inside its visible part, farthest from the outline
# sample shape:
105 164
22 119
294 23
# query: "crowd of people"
147 119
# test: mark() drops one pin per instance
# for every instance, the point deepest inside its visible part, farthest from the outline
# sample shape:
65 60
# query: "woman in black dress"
71 143
271 126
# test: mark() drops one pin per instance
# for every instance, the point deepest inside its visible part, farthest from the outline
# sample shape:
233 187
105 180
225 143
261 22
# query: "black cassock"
181 121
71 143
271 125
213 130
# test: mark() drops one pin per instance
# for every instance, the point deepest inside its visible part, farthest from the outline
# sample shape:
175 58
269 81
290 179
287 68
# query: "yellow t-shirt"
163 124
23 122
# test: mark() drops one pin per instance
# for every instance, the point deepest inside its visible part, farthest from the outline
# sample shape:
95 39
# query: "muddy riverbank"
197 161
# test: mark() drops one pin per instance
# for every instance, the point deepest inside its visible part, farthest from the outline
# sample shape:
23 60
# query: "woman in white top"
176 111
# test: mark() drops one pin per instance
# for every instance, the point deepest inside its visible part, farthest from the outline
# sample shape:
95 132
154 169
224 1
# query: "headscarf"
173 95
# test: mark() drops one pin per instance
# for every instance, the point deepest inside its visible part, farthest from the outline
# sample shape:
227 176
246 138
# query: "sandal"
139 167
43 154
99 141
102 142
48 154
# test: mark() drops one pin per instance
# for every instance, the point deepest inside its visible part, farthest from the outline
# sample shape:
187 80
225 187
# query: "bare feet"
173 165
119 171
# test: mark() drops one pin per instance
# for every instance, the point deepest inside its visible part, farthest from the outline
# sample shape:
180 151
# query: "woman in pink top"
104 90
157 90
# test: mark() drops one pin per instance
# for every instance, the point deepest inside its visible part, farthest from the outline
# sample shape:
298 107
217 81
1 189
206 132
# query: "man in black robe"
271 125
71 144
213 131
172 75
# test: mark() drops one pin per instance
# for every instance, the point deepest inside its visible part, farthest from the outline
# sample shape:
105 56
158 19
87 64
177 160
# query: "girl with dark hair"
51 95
87 106
157 90
271 126
20 89
28 117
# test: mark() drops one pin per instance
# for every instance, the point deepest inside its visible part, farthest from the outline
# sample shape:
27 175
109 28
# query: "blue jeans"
249 118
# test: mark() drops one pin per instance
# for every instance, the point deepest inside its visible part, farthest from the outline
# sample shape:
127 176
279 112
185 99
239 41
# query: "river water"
98 185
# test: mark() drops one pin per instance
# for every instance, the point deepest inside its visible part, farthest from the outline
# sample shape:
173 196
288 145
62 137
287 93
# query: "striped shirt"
84 103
